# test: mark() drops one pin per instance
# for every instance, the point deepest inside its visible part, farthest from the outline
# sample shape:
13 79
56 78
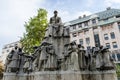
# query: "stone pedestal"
63 75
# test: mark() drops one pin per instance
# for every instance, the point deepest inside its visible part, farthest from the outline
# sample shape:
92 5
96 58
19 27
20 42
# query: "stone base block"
63 75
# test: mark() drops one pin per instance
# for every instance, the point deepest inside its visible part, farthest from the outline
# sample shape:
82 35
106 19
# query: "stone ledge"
63 72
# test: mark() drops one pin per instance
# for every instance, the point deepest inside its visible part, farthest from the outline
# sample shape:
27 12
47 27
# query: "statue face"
55 14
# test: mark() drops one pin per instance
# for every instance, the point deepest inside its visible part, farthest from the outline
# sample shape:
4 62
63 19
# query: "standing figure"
66 59
21 59
107 60
74 65
96 57
89 58
8 60
93 59
81 57
14 64
52 58
43 56
28 67
36 56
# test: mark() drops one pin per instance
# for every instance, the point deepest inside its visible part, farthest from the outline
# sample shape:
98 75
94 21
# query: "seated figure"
55 28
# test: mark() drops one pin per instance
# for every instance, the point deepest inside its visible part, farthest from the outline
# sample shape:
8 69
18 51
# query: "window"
86 31
93 21
105 19
88 47
106 36
74 26
88 40
118 16
2 52
96 38
80 25
12 46
5 47
74 34
81 41
118 57
113 56
86 23
119 25
7 50
16 44
79 33
114 45
112 35
108 45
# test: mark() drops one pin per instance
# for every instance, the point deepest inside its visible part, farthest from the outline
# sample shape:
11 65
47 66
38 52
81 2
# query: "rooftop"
100 15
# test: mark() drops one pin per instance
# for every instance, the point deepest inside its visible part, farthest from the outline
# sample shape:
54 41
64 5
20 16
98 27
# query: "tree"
118 70
1 69
35 30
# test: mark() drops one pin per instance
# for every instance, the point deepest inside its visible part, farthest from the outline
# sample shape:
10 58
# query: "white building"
102 28
7 49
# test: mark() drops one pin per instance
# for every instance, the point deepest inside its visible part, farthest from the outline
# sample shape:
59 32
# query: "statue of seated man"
55 28
55 20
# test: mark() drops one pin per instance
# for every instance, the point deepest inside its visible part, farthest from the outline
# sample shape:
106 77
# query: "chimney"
79 17
84 16
108 8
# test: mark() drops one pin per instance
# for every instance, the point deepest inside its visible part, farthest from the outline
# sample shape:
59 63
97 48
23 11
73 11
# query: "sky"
14 13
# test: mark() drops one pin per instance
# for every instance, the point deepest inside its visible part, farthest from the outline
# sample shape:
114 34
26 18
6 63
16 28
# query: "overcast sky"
14 13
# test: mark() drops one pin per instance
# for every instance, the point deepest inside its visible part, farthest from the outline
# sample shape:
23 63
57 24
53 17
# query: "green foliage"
1 69
35 30
118 69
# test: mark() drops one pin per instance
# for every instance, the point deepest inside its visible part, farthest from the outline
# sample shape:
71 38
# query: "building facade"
7 49
102 28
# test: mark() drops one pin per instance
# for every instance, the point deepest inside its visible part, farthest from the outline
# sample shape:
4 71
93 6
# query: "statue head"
96 45
101 46
79 45
55 13
12 51
16 47
20 49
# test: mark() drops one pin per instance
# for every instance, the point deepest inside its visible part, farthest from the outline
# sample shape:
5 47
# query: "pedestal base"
63 75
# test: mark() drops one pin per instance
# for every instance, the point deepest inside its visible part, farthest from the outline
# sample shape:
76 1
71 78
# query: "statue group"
56 52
